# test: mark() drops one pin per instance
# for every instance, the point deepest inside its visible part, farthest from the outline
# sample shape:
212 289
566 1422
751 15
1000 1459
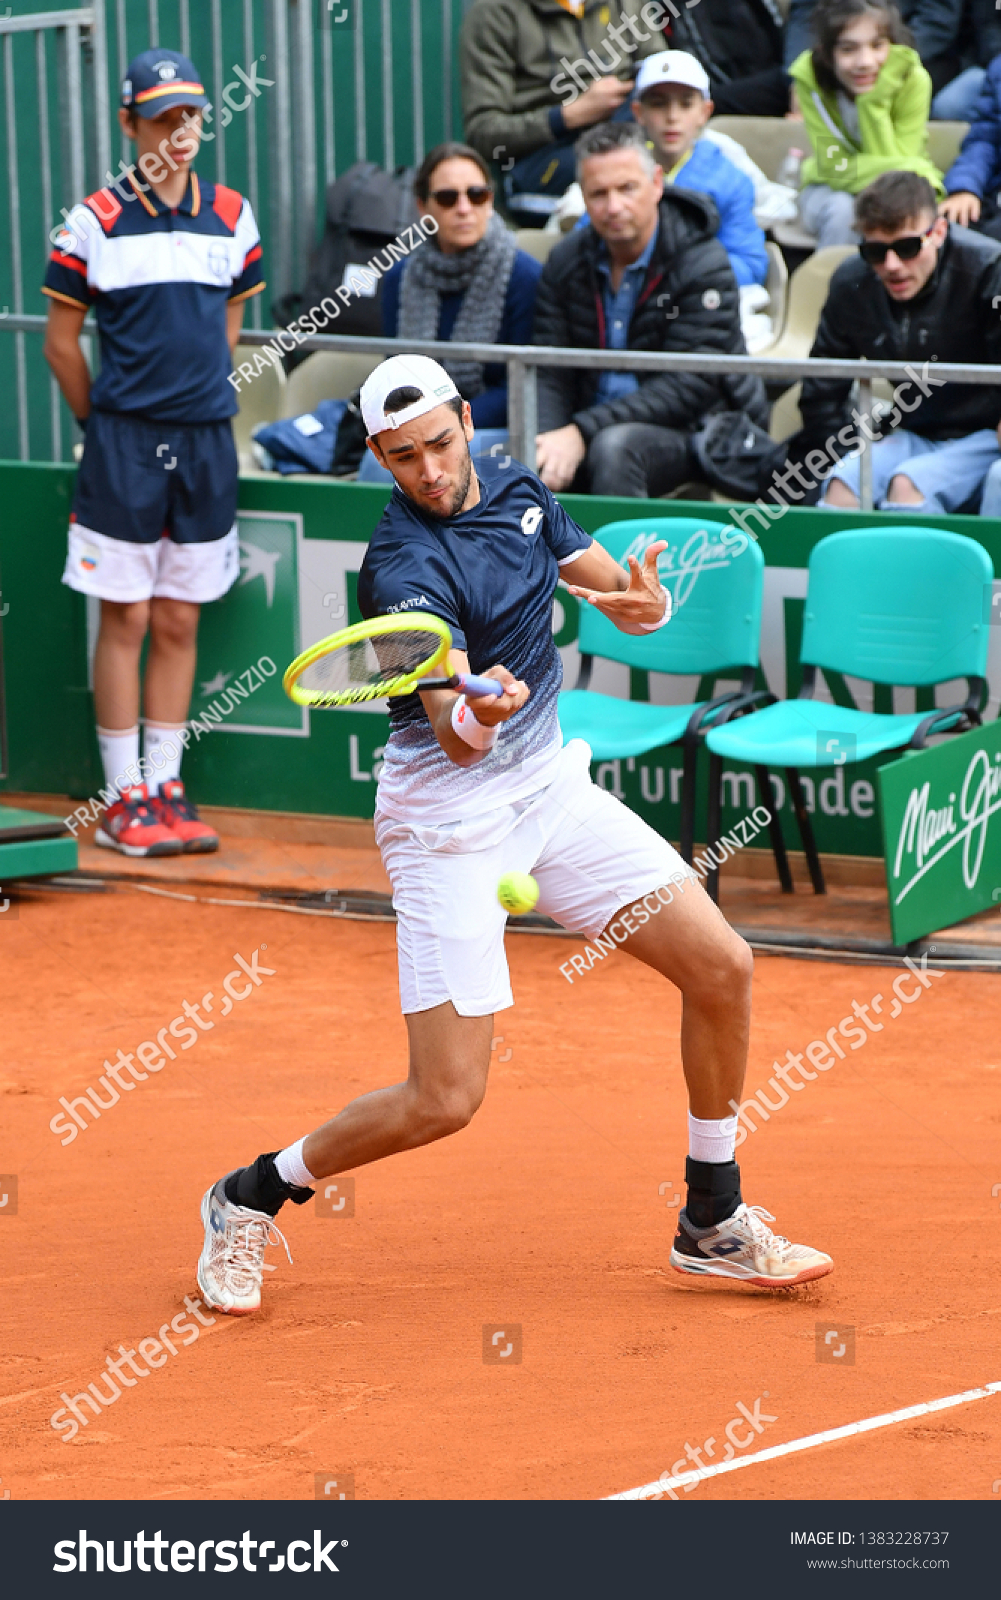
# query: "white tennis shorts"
126 571
588 853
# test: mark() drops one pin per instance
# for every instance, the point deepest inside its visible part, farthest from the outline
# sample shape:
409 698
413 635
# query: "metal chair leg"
806 831
774 829
713 823
689 773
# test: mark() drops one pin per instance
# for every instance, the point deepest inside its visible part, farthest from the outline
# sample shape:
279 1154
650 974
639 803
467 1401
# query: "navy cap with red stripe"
157 80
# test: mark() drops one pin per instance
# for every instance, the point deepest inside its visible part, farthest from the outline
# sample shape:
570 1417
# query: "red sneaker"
133 826
177 814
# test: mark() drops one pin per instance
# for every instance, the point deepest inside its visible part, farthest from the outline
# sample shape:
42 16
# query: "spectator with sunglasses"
920 290
469 282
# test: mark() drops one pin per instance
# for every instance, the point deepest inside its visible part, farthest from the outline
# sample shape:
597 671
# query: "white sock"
713 1139
163 750
119 756
291 1168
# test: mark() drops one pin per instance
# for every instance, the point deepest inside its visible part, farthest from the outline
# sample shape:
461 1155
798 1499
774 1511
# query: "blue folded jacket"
306 443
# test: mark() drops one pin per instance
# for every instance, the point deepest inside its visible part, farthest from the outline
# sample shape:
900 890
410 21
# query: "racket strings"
364 666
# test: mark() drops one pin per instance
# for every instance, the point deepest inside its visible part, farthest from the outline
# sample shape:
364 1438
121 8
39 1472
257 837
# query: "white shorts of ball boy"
590 855
127 571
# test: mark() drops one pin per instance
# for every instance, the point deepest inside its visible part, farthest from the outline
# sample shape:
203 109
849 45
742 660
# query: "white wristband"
651 627
469 730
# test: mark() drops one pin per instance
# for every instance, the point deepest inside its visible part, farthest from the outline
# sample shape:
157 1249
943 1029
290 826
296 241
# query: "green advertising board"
941 844
259 623
302 544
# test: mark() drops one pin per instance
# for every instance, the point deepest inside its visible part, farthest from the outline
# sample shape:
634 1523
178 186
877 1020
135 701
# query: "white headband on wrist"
651 627
469 730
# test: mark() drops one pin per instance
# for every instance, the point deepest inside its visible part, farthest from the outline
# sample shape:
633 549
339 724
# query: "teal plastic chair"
898 605
716 585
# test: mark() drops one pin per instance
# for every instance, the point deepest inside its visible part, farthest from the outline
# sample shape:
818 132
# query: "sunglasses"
904 249
478 195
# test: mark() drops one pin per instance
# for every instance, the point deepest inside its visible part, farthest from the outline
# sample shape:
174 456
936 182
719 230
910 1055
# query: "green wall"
365 79
311 537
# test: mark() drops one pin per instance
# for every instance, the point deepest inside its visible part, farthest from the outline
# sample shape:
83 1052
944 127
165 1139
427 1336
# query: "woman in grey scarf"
469 282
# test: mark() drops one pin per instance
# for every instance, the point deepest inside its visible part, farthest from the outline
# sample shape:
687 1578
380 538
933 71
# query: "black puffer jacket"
689 301
733 39
952 319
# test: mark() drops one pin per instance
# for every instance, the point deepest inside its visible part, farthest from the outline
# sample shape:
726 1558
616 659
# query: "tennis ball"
517 892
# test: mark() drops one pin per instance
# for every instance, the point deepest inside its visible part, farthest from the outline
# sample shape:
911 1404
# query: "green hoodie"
893 118
514 60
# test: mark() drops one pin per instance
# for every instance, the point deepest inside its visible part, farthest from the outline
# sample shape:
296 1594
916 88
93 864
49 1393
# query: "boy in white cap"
672 103
473 787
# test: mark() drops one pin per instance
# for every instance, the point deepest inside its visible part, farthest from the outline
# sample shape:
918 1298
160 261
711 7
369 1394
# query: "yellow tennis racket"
384 657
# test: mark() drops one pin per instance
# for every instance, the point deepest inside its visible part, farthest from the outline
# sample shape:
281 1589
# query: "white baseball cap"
404 372
672 66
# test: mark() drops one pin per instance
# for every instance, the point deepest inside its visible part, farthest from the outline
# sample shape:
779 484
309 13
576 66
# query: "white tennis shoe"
231 1264
744 1247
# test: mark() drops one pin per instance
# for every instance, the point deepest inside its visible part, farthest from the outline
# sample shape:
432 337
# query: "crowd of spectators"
616 97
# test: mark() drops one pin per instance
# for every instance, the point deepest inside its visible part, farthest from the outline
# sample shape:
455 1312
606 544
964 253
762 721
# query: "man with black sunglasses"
920 290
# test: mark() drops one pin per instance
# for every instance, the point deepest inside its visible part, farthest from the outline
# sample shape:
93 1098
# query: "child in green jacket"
865 99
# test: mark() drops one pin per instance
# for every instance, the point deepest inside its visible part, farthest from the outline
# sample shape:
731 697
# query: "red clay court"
551 1214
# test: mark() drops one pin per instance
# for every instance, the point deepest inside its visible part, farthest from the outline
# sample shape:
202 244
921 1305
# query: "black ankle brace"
713 1191
259 1187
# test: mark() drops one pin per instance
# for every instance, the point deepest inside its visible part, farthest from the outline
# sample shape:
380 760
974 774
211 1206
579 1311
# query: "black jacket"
689 301
732 38
980 38
952 319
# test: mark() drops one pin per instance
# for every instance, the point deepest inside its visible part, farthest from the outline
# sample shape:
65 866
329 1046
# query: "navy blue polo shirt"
490 573
159 281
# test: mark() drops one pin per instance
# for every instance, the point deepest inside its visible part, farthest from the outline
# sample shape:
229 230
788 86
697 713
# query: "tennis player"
473 788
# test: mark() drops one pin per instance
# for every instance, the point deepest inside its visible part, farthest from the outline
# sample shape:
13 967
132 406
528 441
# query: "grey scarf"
481 274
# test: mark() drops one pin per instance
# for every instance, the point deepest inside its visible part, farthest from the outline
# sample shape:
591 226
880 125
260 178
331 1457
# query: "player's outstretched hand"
490 709
642 600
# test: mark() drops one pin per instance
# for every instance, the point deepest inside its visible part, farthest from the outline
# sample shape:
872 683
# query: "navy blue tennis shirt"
490 573
160 281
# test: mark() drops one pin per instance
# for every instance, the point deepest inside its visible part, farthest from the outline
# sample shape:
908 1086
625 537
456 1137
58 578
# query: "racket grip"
469 684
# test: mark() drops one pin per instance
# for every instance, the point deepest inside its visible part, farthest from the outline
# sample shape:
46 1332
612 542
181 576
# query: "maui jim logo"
679 569
928 833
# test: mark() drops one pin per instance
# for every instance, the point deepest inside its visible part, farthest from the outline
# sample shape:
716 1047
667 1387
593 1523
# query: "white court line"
661 1485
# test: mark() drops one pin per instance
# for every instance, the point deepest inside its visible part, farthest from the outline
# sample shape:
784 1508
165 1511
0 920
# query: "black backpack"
367 209
734 453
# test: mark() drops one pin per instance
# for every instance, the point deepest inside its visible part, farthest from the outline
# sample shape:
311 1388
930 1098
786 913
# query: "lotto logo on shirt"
530 521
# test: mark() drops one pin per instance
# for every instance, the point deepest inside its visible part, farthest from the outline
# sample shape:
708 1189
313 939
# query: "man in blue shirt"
475 787
166 262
